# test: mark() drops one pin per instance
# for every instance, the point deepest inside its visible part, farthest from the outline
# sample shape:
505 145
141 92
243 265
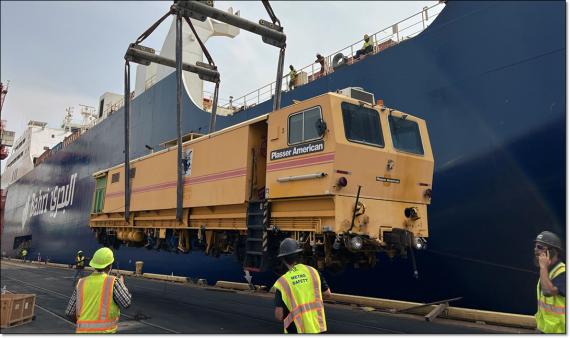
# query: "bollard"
139 266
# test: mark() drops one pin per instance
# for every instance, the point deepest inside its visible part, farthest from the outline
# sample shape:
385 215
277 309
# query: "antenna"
88 113
67 118
3 91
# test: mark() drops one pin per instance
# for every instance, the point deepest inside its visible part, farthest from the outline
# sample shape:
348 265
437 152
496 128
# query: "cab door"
299 156
413 160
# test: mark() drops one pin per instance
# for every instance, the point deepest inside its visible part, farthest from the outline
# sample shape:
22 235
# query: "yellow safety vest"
551 314
24 253
293 74
366 44
80 261
96 310
301 291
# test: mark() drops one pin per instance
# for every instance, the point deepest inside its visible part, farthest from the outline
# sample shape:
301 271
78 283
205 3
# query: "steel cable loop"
127 113
210 60
212 127
180 165
149 31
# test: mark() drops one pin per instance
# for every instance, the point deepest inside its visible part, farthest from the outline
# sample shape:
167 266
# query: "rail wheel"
215 252
336 269
312 262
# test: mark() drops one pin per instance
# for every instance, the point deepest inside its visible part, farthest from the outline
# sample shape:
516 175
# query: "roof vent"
358 94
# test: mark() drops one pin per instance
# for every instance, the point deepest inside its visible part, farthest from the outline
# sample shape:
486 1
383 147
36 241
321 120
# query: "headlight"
355 243
418 243
336 244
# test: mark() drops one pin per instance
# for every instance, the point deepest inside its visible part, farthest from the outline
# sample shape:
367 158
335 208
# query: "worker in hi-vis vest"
292 76
24 253
551 288
366 48
79 266
299 293
94 305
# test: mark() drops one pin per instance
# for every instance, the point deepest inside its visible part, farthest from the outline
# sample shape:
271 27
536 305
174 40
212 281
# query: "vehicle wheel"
312 262
102 238
336 269
215 252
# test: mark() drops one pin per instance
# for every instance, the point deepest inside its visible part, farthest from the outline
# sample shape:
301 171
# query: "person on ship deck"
292 75
320 59
366 47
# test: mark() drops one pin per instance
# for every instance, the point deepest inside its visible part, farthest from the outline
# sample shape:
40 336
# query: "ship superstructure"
36 139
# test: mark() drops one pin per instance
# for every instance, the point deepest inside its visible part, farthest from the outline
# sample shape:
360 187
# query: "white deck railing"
381 40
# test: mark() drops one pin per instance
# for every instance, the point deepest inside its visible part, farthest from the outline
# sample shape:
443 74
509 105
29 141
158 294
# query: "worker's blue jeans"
78 272
363 52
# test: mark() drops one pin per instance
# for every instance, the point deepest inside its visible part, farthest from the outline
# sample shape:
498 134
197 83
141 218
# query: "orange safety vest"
96 310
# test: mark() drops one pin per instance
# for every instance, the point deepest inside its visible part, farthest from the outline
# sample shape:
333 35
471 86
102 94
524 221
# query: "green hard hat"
102 258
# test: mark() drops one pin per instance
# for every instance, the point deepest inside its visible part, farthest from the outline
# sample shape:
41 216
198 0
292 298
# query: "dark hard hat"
289 246
550 239
291 66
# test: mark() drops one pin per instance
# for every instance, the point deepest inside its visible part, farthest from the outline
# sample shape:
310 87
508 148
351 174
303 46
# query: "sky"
59 54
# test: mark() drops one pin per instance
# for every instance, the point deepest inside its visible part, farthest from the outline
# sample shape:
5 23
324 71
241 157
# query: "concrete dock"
186 308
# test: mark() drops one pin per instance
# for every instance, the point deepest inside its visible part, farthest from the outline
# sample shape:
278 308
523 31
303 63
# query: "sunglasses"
541 247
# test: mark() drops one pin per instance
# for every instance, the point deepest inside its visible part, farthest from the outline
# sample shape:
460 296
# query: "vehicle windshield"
405 135
362 125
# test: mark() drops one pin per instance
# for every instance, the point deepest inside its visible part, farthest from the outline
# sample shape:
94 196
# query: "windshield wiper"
357 109
400 122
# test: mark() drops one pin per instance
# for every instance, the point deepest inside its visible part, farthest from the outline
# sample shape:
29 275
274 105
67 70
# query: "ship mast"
4 91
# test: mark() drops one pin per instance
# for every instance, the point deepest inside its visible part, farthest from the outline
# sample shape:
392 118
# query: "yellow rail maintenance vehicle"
342 174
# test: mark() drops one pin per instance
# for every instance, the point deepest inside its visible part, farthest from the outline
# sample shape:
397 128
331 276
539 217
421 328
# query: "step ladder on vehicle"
257 218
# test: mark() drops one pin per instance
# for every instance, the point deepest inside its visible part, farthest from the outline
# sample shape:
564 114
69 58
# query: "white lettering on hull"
61 198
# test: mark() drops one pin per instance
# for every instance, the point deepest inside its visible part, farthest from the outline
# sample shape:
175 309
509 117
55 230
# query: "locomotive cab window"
362 125
302 126
406 135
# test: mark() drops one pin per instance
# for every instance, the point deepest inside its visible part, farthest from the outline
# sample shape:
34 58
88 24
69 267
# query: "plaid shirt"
121 296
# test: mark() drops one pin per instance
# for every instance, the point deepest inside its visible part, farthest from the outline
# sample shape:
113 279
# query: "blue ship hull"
489 80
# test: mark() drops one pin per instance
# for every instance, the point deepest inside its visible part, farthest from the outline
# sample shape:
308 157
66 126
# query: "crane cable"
270 12
149 31
210 60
